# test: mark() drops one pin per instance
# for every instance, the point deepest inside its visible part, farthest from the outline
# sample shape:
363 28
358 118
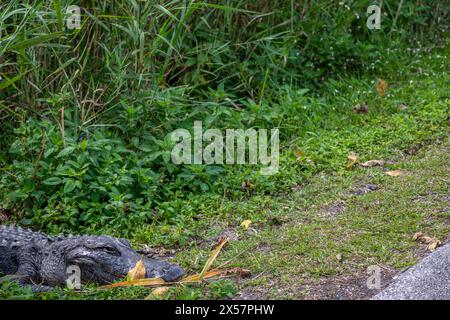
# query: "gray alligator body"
43 261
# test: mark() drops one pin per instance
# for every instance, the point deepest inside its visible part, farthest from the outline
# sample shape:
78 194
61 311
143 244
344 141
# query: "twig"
63 127
41 153
397 14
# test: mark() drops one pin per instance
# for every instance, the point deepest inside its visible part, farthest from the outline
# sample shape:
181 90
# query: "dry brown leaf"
361 108
417 235
353 158
148 282
237 272
246 223
192 279
432 242
395 173
428 240
381 87
138 272
434 245
372 163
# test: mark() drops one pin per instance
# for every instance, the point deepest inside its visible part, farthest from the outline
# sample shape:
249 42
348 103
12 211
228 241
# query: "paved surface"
428 280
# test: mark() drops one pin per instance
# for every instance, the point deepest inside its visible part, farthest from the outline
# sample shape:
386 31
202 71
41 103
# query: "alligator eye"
109 250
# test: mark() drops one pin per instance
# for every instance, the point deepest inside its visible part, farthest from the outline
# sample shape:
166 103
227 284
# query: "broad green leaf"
53 181
69 186
65 152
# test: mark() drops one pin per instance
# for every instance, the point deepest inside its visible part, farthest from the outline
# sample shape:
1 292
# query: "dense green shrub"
92 181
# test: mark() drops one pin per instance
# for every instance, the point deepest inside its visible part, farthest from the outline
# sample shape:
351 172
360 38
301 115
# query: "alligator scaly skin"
42 260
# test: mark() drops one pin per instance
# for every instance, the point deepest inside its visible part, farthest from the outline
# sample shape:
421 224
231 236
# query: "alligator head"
101 259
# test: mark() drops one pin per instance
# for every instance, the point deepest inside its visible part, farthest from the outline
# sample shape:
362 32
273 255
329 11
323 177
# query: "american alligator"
43 261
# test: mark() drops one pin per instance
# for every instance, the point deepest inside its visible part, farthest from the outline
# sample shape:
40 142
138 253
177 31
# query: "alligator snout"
174 273
159 269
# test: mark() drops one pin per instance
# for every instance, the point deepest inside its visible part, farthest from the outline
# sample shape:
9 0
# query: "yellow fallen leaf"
213 256
434 245
138 272
432 242
353 158
381 87
159 291
246 223
372 163
395 173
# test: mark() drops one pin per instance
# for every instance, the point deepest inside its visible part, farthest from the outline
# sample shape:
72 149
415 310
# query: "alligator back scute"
20 234
12 239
